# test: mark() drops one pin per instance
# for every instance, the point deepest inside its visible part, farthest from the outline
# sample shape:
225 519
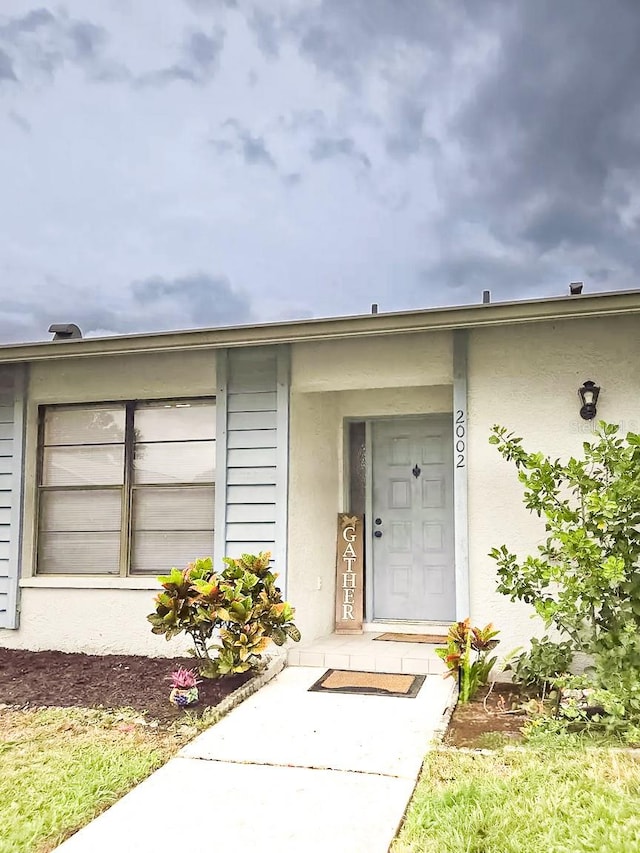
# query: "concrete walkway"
287 770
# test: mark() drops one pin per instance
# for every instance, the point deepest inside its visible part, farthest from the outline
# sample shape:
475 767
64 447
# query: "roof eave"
434 319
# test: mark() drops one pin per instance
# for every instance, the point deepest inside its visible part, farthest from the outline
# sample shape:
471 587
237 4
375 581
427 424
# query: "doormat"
434 639
371 683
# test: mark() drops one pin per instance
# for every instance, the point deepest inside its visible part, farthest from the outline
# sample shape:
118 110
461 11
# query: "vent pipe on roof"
486 297
575 288
65 331
374 307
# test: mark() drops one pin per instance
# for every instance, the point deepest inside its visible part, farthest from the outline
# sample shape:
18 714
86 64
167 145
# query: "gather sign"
349 574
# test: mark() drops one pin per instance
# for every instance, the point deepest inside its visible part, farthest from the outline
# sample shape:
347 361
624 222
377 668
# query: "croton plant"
467 656
231 615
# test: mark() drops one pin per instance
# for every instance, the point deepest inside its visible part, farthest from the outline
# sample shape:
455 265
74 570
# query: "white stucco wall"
94 621
97 620
409 360
527 379
314 492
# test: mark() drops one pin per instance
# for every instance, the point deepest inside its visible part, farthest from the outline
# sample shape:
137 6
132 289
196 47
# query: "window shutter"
12 383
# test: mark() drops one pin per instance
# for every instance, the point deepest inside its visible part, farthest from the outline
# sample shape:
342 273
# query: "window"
125 488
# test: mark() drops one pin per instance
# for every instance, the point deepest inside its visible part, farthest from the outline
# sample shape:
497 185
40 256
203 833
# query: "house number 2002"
461 436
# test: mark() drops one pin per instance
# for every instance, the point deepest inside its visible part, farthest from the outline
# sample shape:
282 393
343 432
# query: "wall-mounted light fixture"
588 394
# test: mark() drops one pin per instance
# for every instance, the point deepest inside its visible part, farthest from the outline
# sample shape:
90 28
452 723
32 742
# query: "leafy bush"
544 662
585 579
241 606
467 656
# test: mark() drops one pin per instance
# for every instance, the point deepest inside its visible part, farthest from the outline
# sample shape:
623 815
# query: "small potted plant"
184 687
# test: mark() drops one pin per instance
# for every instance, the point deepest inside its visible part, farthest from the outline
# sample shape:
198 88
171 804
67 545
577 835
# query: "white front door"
413 573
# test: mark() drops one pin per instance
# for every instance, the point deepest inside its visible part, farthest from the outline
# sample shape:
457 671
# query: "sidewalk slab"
287 770
283 809
285 724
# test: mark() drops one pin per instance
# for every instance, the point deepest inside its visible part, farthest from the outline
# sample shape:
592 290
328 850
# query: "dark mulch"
474 724
34 679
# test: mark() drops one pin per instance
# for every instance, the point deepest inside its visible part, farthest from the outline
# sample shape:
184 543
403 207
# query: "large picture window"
125 488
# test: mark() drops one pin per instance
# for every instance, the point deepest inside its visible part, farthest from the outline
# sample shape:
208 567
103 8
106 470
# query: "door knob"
377 534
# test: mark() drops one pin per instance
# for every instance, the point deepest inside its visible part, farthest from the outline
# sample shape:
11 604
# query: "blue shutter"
12 387
252 450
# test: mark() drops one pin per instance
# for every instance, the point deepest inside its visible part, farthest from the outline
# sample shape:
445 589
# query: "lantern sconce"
588 394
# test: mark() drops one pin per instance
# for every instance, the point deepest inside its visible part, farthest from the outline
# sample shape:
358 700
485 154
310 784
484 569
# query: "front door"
412 502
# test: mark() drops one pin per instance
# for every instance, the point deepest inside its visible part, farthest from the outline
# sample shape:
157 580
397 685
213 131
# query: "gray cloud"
29 23
491 146
473 272
87 40
252 149
211 5
19 121
6 68
351 40
407 136
553 128
41 43
265 27
199 64
255 151
326 148
152 304
198 298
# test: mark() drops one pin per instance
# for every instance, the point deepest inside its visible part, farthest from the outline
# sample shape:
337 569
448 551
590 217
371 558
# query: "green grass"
61 767
552 800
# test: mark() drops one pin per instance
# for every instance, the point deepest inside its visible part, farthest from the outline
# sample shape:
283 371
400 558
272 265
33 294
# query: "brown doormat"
434 639
372 683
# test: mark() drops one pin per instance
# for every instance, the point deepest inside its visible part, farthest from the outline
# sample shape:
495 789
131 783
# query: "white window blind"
80 527
173 484
126 488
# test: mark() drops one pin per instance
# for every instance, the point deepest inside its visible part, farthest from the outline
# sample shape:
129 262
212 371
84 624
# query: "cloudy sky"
203 162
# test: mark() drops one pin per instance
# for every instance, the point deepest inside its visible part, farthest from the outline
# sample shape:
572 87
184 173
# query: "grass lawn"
59 767
552 799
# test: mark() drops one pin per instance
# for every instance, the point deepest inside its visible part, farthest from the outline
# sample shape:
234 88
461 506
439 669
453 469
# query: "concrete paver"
287 771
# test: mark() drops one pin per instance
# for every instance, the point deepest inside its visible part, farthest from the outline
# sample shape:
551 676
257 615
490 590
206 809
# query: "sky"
188 163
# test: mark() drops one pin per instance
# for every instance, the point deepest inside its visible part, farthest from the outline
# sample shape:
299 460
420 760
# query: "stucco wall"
94 621
386 362
98 621
143 376
527 380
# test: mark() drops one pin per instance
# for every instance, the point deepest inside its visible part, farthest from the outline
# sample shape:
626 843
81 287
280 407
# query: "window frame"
127 488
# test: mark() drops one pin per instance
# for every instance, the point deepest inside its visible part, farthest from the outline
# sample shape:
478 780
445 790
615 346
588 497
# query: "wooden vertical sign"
349 575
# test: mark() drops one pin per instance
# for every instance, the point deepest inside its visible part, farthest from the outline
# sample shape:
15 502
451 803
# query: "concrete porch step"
362 652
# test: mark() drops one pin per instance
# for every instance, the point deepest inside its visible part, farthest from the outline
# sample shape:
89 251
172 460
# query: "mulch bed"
472 724
36 679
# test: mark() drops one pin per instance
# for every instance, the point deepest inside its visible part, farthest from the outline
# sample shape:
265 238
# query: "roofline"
606 304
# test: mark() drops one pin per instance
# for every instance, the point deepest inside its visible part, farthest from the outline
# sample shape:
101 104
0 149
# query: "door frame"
368 527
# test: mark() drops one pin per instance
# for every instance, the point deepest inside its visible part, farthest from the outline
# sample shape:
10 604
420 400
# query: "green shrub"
544 662
585 578
234 613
